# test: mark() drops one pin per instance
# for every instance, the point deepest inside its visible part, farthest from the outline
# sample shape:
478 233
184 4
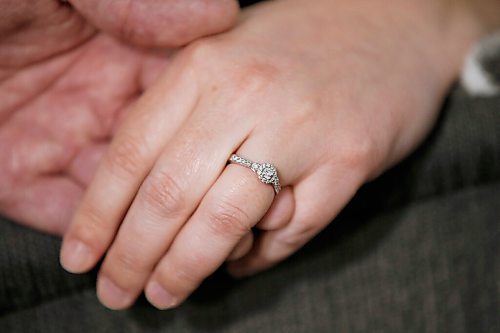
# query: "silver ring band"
266 172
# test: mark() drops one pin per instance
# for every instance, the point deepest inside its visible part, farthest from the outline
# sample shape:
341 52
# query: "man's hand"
64 86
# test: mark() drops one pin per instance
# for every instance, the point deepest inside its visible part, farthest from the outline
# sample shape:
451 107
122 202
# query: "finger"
281 211
169 195
236 202
129 159
242 248
46 204
84 165
159 23
313 213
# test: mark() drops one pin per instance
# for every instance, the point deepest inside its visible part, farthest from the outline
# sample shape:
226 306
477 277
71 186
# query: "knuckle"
206 54
129 31
227 219
256 75
126 157
305 112
201 53
163 192
133 25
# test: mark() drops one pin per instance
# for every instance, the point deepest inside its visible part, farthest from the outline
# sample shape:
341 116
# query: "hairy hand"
331 93
64 86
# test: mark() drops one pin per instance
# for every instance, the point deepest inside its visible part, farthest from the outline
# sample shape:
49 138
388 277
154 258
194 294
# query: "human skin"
343 93
332 93
64 86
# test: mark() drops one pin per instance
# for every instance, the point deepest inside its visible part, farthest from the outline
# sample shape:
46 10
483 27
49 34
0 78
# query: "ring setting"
266 172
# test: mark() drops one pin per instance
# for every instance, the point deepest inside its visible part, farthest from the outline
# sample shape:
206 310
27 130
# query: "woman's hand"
64 85
331 93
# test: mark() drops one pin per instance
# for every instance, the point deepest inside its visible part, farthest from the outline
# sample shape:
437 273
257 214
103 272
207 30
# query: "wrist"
464 22
444 30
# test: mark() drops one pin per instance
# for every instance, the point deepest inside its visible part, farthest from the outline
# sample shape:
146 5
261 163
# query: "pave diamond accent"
266 172
241 161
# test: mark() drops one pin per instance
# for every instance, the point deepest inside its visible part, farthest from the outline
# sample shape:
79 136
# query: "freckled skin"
64 86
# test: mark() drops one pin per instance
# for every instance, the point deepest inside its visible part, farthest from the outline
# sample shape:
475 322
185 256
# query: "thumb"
159 23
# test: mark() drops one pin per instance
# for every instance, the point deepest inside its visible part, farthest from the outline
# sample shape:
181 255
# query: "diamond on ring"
266 172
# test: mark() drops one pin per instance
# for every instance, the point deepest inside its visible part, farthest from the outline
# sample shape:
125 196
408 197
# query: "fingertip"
76 256
112 296
159 297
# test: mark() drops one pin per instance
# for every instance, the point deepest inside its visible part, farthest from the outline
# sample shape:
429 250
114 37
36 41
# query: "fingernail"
111 295
159 297
75 256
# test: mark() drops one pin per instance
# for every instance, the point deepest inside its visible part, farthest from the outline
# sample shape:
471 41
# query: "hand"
331 93
64 86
